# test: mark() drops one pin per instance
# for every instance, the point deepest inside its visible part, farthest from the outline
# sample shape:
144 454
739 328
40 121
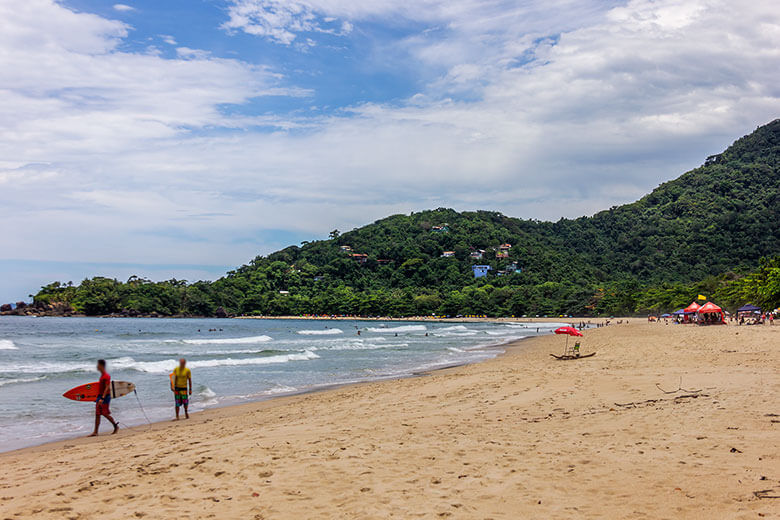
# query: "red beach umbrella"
570 331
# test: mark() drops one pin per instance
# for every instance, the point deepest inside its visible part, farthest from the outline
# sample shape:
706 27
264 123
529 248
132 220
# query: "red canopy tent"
689 311
709 313
693 307
710 307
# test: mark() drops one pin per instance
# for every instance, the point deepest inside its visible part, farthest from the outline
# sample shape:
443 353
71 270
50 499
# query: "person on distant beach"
181 386
104 399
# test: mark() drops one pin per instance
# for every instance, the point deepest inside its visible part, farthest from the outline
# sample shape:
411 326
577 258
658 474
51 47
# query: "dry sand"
521 436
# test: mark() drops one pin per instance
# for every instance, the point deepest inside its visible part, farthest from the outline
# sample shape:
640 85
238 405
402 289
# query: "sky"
183 138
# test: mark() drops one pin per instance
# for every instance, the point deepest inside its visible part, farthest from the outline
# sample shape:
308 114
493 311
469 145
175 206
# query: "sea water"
232 361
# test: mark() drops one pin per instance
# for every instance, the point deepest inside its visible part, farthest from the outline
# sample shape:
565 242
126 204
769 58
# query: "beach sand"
520 436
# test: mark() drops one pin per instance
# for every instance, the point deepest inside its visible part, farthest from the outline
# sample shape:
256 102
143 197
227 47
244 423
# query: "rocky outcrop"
38 309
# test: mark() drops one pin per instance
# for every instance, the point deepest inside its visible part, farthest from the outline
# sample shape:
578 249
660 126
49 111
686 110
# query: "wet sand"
521 436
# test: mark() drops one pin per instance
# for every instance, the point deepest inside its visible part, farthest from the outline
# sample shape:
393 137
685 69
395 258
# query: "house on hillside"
503 251
359 258
441 229
448 254
510 269
480 271
346 249
383 261
478 254
714 159
513 268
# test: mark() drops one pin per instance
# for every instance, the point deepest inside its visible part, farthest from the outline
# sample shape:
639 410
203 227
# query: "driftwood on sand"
569 356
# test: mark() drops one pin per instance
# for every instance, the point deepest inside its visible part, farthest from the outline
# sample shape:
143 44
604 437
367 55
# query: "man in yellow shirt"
181 386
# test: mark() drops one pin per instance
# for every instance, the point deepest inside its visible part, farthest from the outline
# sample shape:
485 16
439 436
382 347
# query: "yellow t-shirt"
180 377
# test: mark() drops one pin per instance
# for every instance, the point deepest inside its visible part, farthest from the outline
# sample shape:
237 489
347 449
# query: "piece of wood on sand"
570 357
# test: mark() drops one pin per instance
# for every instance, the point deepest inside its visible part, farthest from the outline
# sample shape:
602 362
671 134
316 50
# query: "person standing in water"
103 399
181 386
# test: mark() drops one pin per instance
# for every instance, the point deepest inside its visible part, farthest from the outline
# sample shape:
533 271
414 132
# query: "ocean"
232 361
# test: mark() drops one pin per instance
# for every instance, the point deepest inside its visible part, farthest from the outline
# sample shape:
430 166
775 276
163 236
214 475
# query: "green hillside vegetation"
705 232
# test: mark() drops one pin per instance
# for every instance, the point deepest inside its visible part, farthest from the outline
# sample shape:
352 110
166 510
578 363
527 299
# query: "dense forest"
712 231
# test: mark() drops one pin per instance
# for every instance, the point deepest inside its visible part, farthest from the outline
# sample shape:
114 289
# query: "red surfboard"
89 392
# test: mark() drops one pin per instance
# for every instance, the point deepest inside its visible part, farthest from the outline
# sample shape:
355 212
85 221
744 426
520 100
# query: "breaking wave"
540 325
402 328
21 380
167 365
222 341
7 344
361 346
321 332
455 328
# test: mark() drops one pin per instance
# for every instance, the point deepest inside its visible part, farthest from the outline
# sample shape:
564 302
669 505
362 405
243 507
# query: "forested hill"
718 219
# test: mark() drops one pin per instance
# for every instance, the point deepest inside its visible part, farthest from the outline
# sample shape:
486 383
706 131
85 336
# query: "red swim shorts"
101 408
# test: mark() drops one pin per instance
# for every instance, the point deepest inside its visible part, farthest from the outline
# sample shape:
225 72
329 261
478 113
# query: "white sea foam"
207 397
321 332
21 380
540 325
456 334
7 344
222 341
402 328
361 346
45 367
186 353
455 349
455 328
498 343
169 364
207 392
281 389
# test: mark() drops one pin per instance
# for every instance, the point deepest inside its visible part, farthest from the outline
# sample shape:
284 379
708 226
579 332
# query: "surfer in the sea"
103 399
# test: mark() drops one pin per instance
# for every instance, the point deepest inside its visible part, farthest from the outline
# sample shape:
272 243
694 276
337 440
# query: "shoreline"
415 373
664 422
431 319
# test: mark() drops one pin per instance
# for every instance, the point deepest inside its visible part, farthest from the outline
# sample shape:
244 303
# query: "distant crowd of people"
767 318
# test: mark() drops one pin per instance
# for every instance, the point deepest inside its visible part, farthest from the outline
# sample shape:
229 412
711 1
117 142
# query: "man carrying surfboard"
103 399
181 386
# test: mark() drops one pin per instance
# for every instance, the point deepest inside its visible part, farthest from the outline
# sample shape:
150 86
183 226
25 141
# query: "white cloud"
281 20
123 8
533 111
69 90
